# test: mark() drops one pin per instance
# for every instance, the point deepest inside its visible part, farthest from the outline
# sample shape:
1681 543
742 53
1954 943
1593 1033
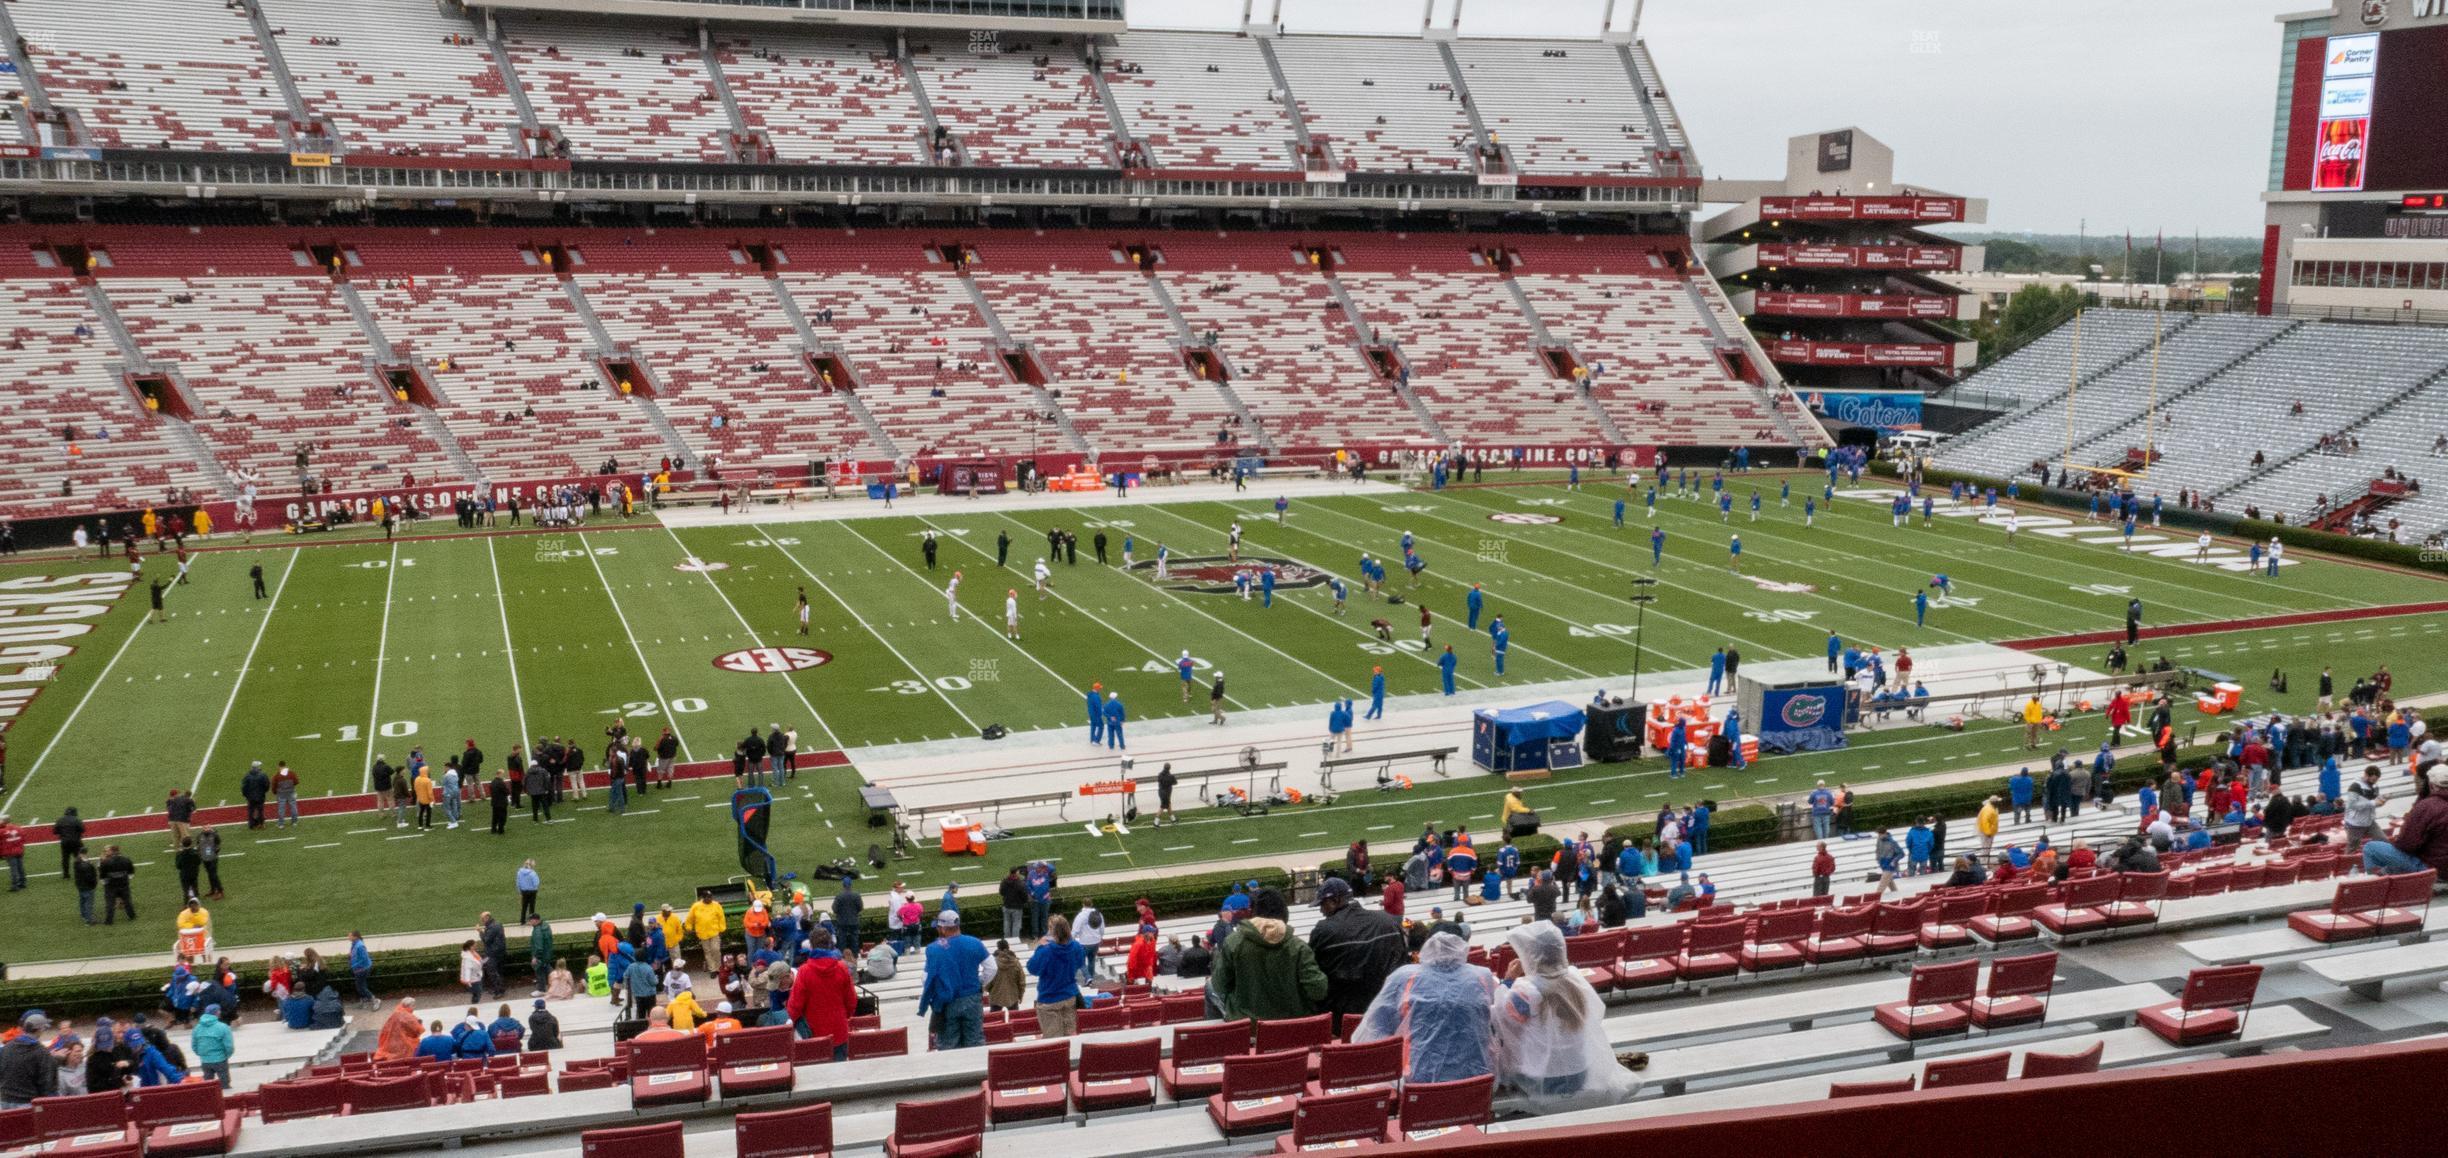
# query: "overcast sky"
2140 116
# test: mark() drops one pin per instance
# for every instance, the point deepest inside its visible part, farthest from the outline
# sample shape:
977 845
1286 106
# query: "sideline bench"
1384 763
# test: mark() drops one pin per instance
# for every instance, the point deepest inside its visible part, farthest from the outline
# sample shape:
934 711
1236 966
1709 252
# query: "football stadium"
702 577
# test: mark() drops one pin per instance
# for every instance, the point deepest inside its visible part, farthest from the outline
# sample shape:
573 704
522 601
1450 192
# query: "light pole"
1642 597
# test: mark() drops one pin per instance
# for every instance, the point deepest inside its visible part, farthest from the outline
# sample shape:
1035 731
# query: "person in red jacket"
1823 870
822 995
2120 714
1140 967
1391 899
12 850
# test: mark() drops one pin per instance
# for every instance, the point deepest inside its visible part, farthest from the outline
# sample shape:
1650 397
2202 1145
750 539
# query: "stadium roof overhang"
1080 17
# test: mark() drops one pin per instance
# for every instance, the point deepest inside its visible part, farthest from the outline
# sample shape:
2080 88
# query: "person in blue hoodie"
1917 849
361 968
147 1063
642 985
471 1039
1376 710
2019 789
1678 747
437 1043
951 985
504 1025
2330 787
1697 828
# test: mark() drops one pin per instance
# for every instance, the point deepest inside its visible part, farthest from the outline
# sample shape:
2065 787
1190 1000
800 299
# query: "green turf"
497 638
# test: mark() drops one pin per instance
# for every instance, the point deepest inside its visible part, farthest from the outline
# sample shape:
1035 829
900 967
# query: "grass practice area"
364 648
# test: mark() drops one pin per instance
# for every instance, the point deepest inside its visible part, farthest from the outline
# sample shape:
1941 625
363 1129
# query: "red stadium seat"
2137 903
2408 904
798 1132
753 1061
2212 1006
1116 1075
2081 909
1323 1121
1437 1109
1261 1092
1775 938
2017 993
184 1120
659 1140
1934 1001
2349 916
1870 1089
1344 1067
945 1128
873 1043
1966 1071
2050 1065
667 1071
1839 936
1026 1082
1647 958
1948 925
2009 916
1709 949
1196 1068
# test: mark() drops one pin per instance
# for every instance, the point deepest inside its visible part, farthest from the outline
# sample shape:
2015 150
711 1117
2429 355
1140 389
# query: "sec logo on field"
1524 518
772 660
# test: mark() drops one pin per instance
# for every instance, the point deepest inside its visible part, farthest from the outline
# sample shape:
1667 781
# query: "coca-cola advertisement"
2337 159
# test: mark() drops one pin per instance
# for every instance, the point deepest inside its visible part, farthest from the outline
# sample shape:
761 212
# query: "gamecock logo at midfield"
772 660
1213 574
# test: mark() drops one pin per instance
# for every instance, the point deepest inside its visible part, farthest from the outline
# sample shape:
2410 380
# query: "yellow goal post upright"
2150 412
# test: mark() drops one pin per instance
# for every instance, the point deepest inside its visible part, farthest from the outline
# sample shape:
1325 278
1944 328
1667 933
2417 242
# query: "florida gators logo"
1804 711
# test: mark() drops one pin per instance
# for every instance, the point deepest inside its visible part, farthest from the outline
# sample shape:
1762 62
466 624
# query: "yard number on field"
379 564
389 729
648 708
920 688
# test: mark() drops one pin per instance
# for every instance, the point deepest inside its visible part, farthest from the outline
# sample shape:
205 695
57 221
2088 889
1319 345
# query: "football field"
363 649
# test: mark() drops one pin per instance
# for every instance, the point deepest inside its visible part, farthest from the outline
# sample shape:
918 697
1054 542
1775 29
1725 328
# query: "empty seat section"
619 91
414 81
188 73
825 98
1200 101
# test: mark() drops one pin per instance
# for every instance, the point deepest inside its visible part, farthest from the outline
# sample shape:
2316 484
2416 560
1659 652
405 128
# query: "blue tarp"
1553 720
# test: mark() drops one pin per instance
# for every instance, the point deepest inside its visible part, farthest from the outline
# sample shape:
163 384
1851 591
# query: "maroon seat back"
866 1043
2050 1065
1592 950
1943 984
2411 890
374 1095
2140 888
2221 987
1301 1033
1437 1105
1716 936
79 1114
2017 900
2359 895
1266 1075
184 1102
573 1081
522 1085
1839 924
1784 927
1966 1071
666 1055
1903 1085
1042 1064
1958 907
2030 975
307 1098
660 1140
1344 1066
1108 1061
1326 1119
1651 943
746 1047
942 1120
784 1133
1896 918
1200 1044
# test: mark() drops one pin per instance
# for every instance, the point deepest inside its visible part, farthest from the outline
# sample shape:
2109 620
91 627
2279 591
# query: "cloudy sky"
2124 115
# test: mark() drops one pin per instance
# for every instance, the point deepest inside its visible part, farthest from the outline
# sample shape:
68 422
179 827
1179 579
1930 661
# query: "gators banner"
1802 719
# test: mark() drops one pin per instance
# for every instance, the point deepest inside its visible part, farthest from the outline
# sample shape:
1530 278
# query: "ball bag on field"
752 812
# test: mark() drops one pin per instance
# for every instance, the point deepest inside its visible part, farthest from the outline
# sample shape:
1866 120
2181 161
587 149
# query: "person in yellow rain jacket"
706 919
675 927
203 523
1987 823
376 514
425 794
684 1010
2033 714
152 523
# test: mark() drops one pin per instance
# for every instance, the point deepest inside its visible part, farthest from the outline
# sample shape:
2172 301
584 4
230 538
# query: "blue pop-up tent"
1544 735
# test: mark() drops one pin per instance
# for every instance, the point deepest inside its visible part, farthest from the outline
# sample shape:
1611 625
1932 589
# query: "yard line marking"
1243 840
1383 827
1769 780
73 713
670 721
276 840
977 619
408 836
333 844
382 646
368 831
1655 795
1307 835
1924 761
641 812
244 666
1102 854
753 637
716 804
1571 621
1179 847
493 559
827 588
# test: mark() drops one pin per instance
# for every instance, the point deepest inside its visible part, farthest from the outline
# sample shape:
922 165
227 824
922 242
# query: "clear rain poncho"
1442 1005
1551 1040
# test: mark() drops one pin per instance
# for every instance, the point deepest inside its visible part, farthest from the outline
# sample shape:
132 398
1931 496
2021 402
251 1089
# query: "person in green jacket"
1264 971
213 1044
540 951
599 976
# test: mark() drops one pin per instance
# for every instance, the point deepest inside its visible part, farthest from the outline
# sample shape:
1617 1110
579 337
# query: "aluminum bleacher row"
272 356
2228 387
1811 1007
405 77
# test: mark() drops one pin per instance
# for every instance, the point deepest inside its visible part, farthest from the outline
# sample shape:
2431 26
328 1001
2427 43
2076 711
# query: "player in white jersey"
952 596
1011 614
1232 544
2201 548
1044 580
